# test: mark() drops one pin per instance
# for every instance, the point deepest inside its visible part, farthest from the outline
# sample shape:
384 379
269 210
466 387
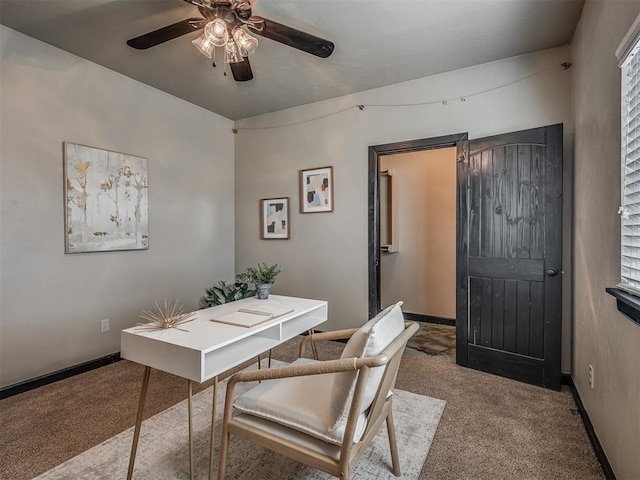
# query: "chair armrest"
334 335
325 336
315 368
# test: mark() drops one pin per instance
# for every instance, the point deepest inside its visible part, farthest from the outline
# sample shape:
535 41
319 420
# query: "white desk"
207 348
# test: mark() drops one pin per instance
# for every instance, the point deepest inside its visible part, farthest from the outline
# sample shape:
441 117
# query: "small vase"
263 290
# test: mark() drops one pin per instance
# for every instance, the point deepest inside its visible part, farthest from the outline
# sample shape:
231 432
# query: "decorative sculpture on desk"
165 316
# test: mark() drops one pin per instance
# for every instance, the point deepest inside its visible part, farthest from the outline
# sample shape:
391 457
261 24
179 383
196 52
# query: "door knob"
552 272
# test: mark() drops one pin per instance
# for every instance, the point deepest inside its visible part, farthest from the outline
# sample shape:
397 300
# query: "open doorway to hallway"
418 245
437 340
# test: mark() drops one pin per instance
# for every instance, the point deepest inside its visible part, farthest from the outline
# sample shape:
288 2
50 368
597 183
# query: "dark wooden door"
512 322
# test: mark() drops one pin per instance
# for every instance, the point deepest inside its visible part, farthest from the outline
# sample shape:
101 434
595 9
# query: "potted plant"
262 277
225 293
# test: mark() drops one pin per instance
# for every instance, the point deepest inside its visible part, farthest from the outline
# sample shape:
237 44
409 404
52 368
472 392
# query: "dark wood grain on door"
515 236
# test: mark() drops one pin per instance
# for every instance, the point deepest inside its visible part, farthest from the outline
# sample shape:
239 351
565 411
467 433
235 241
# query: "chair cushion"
370 340
287 433
301 403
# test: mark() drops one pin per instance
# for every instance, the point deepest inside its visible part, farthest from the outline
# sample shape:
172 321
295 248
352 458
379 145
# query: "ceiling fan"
223 24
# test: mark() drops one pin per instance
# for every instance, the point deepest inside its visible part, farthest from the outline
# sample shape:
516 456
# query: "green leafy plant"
225 293
263 274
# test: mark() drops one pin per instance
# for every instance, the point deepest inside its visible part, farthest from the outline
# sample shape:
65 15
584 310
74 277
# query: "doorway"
418 233
459 143
508 249
376 153
418 243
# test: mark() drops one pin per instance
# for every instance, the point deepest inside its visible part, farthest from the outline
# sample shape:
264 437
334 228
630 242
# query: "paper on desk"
252 315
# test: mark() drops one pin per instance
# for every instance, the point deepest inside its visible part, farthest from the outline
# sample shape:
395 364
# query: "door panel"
497 313
514 236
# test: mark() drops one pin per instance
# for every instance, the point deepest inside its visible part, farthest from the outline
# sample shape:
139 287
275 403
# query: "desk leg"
314 349
136 432
190 429
213 425
259 366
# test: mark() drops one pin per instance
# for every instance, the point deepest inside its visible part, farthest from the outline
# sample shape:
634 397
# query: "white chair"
324 413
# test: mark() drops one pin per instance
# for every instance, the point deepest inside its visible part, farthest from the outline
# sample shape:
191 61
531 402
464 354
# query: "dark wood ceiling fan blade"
167 33
294 38
241 70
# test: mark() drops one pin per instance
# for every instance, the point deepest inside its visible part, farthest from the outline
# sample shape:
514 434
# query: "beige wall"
422 273
51 304
327 254
603 337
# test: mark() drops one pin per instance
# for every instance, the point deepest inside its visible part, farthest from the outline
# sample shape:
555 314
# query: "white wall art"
105 200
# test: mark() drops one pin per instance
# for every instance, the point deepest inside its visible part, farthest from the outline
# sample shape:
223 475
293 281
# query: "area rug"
437 342
163 452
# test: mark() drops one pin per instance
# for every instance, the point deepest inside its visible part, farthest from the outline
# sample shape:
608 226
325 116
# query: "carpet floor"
492 428
163 450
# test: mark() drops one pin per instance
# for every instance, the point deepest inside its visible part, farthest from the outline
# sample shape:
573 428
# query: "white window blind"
630 209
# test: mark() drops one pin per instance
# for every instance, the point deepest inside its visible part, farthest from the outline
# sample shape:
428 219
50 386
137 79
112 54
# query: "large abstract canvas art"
106 204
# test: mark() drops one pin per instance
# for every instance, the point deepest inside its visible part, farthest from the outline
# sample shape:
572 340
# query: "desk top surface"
203 334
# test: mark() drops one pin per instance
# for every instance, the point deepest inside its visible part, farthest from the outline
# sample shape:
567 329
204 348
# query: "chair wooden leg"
393 444
224 449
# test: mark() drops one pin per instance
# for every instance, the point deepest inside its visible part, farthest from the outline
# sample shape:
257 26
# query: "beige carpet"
163 451
492 428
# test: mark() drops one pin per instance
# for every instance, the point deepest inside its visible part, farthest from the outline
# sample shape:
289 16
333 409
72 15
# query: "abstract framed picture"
316 190
274 218
105 199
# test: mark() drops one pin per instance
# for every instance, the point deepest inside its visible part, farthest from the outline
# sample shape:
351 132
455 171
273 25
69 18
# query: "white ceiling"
377 43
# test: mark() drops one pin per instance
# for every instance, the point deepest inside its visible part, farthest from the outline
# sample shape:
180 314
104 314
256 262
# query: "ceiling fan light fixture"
216 32
232 54
204 45
245 42
227 24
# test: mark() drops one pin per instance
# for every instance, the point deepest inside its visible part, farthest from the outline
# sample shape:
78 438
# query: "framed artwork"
105 199
316 190
274 218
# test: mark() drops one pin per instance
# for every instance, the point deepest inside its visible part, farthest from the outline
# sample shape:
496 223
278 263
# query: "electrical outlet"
104 325
591 377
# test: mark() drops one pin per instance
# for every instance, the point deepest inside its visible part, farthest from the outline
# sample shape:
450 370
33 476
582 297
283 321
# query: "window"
629 57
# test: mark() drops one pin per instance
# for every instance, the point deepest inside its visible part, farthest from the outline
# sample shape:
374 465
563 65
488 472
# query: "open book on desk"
252 315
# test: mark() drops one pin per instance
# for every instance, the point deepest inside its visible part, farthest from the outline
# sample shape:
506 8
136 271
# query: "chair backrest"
369 341
389 359
386 385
